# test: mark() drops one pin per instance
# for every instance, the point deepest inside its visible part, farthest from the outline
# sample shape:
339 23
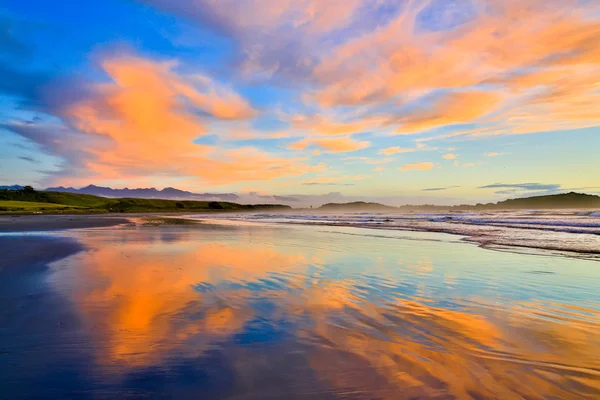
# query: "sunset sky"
439 101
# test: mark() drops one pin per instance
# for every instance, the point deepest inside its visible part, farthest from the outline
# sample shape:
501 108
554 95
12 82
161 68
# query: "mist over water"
239 310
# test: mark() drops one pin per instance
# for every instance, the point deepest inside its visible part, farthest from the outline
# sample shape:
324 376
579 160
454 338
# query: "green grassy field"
27 202
10 206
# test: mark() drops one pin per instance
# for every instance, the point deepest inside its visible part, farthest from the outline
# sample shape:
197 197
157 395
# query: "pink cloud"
557 42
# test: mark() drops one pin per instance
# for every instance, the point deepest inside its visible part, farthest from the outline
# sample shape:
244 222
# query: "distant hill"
146 193
13 187
357 205
76 201
555 201
565 200
29 200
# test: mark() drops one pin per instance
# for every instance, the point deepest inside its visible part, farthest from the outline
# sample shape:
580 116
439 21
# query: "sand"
37 223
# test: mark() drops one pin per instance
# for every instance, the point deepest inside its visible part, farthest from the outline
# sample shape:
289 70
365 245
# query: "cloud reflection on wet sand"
272 310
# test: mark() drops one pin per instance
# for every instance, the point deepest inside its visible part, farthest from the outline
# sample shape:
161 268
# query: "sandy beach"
33 223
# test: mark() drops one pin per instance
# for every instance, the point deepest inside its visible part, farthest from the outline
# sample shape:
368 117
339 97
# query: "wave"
571 232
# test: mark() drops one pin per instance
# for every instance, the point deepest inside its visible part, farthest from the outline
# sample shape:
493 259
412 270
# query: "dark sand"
37 223
37 326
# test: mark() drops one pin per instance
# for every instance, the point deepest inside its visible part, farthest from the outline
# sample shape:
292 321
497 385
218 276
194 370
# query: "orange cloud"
145 112
395 150
455 108
492 154
324 180
334 145
417 166
449 156
321 125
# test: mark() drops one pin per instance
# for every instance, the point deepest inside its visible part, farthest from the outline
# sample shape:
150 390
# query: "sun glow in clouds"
289 81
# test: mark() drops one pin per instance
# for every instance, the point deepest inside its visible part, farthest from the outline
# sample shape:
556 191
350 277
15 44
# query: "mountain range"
169 193
12 187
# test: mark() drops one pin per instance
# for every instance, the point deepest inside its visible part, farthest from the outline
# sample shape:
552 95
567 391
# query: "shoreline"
542 244
57 222
516 240
481 240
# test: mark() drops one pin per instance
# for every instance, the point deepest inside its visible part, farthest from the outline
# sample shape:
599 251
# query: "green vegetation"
28 200
69 199
9 206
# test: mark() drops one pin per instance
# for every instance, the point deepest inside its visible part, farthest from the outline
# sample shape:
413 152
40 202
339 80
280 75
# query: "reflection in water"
259 312
151 300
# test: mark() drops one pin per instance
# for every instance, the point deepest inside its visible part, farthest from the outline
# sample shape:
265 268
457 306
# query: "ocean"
305 306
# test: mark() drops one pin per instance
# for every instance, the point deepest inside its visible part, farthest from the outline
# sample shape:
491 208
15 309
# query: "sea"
305 306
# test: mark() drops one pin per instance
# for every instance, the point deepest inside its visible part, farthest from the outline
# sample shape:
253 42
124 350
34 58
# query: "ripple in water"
254 312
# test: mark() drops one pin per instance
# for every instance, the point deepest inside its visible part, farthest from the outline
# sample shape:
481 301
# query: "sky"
399 101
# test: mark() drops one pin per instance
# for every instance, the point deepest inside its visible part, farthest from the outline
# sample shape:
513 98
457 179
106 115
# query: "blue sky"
384 100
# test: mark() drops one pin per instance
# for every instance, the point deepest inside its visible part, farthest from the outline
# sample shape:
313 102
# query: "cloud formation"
522 186
143 123
437 189
333 145
511 66
452 109
396 150
280 37
417 166
533 189
319 77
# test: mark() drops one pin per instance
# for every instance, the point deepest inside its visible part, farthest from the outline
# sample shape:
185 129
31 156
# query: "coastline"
55 222
484 239
541 242
83 314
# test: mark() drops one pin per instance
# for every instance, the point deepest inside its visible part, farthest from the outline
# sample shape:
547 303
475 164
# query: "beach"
33 223
230 309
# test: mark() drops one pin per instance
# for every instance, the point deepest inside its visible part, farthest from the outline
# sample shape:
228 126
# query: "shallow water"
575 233
237 310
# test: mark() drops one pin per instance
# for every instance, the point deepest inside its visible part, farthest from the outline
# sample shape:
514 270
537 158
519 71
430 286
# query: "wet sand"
570 233
578 243
37 223
249 311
